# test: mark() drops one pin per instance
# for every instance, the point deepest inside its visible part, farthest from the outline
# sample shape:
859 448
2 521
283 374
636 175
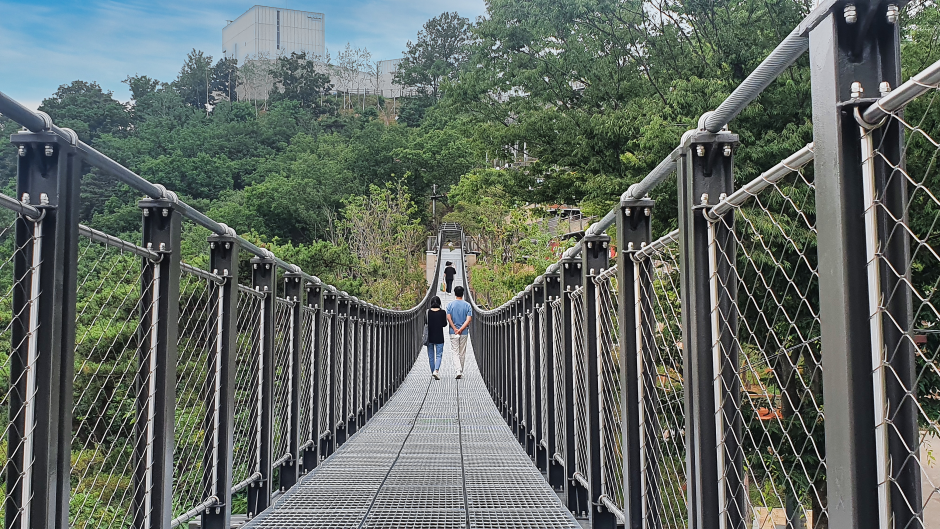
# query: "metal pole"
556 473
594 258
290 470
633 233
704 166
352 415
42 350
844 51
315 302
526 367
537 300
575 496
220 402
341 361
158 355
262 421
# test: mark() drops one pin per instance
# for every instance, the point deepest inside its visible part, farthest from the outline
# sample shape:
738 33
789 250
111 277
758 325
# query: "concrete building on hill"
270 32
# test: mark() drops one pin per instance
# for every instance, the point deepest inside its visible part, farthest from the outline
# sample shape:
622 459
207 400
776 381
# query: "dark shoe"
459 376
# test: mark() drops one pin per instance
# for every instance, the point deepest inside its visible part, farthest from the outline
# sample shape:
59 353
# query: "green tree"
87 109
437 55
296 78
194 81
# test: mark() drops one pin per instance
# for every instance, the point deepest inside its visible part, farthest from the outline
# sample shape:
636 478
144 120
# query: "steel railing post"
314 301
518 366
575 496
264 273
536 300
633 233
220 399
341 361
595 258
352 415
289 471
327 446
160 296
849 60
528 370
705 175
42 350
556 474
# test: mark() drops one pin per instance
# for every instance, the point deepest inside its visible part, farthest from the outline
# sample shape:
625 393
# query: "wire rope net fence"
533 366
608 349
771 405
15 423
109 381
580 389
662 390
901 164
543 373
283 338
325 364
245 456
558 353
306 399
198 336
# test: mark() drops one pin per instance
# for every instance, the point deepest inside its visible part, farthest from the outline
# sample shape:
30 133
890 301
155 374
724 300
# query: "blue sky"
45 45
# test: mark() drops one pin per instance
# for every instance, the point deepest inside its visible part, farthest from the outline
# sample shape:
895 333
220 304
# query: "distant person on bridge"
459 314
437 320
449 273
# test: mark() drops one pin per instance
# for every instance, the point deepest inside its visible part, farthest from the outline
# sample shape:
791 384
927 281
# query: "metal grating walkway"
437 455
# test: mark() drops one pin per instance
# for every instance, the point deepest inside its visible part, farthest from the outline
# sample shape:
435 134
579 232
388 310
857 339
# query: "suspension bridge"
772 363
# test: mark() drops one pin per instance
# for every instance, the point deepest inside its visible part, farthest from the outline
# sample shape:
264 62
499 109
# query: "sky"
44 45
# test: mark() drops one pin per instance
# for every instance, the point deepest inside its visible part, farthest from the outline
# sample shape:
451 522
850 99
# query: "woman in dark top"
437 320
449 273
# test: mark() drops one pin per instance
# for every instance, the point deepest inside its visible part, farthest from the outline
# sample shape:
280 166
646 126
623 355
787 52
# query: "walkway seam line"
397 456
463 470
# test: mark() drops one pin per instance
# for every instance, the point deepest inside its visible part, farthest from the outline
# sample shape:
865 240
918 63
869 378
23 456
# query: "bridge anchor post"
264 273
289 471
220 400
633 233
571 278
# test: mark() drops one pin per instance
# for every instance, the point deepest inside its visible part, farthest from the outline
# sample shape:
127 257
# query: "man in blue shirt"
459 314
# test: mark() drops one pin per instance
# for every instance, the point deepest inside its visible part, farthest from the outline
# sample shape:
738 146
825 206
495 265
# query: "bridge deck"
437 455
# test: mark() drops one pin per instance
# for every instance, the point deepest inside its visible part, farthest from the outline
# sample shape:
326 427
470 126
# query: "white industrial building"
270 32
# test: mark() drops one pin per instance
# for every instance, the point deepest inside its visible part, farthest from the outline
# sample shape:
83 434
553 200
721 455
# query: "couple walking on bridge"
457 316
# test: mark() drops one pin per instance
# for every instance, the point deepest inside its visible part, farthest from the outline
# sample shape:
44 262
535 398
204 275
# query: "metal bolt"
857 90
590 244
700 150
162 246
48 149
892 14
628 211
44 199
267 266
212 246
647 211
21 150
630 246
166 212
225 271
884 88
146 212
228 246
704 198
604 244
255 266
851 16
727 150
722 196
25 198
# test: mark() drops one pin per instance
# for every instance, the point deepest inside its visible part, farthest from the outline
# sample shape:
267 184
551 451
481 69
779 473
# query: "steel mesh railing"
306 399
543 373
608 350
107 385
245 454
325 365
283 362
13 388
198 336
772 406
558 353
580 388
662 389
903 214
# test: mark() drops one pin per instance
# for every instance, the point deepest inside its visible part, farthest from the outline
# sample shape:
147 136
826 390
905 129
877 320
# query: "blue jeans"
435 359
